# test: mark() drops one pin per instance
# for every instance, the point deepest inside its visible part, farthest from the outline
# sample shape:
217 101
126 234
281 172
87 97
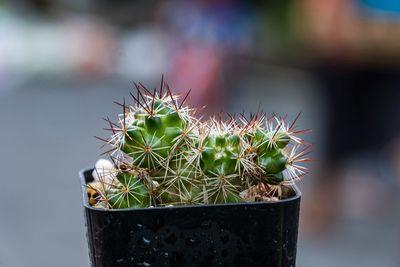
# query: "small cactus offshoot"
163 155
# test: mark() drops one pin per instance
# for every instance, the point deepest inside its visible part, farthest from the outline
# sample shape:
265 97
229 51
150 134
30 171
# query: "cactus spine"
163 155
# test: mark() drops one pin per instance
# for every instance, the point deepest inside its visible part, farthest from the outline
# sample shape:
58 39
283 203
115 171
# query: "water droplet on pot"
146 264
146 241
192 242
205 224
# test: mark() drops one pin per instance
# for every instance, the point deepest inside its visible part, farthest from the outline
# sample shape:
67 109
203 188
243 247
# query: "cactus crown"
163 155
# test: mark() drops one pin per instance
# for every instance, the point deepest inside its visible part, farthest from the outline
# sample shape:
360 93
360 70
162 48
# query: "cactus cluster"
163 155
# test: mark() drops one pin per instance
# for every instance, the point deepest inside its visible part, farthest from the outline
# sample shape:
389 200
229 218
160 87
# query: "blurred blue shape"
390 7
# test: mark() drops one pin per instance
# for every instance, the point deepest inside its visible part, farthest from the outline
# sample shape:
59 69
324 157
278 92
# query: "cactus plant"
163 155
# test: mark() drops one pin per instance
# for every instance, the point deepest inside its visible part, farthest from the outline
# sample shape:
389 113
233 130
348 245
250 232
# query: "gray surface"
354 243
46 137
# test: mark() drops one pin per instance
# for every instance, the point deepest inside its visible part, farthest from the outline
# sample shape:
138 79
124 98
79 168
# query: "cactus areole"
171 173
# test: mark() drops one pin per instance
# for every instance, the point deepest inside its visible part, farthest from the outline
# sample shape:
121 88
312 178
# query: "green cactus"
163 155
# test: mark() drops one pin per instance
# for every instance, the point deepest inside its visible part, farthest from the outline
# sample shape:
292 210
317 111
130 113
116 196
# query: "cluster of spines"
163 155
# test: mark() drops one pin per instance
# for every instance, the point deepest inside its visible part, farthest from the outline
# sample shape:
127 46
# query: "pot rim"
88 206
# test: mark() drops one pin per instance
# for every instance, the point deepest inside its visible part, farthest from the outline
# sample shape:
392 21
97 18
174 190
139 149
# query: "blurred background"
63 63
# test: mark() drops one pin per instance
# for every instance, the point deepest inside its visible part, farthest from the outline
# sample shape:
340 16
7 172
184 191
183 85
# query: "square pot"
240 234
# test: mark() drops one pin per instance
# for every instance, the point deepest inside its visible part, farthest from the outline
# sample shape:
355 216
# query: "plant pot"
242 234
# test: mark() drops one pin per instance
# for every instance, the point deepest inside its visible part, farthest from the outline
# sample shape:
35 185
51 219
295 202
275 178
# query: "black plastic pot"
244 234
